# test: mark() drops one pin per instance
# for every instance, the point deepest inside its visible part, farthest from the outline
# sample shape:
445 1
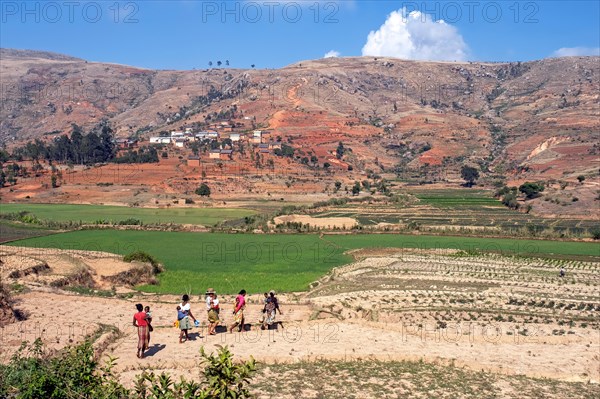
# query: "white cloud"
332 54
576 51
416 36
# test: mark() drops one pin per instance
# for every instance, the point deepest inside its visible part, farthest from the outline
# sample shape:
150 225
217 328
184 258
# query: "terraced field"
12 231
455 209
521 296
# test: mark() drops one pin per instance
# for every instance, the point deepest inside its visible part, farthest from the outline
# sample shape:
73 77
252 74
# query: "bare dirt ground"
331 222
43 266
505 316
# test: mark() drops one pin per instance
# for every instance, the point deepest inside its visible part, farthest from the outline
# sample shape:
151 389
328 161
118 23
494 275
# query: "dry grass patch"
396 379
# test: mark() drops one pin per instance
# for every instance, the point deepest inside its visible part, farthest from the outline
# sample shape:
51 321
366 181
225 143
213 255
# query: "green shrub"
33 374
203 190
531 190
226 379
74 373
141 256
510 200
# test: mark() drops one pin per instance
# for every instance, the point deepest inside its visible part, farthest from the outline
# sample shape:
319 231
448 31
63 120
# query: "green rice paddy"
284 262
115 214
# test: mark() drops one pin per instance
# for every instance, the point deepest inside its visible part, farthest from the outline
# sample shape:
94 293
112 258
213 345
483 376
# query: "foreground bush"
74 373
141 256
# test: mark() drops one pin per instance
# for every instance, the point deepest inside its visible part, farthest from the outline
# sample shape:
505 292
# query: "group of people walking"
143 318
213 308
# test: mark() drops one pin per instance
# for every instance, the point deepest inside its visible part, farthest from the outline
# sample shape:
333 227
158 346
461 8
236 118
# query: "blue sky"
274 33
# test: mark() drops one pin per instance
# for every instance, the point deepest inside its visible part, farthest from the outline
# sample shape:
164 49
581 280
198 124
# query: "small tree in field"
581 178
469 175
203 190
225 378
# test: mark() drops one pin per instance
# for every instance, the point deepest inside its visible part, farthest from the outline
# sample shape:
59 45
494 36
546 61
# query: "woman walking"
271 309
139 321
238 312
212 306
184 323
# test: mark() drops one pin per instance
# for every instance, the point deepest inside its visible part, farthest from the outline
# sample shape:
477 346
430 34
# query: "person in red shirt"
139 321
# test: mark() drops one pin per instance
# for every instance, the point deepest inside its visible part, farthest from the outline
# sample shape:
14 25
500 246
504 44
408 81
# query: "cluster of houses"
179 139
256 138
123 144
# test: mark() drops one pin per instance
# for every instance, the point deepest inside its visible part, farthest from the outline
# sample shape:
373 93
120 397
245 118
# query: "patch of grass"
92 213
18 288
90 291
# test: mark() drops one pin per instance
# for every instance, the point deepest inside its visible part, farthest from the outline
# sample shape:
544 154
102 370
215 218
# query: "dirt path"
61 319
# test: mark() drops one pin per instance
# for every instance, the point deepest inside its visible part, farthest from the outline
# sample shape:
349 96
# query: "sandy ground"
61 319
341 222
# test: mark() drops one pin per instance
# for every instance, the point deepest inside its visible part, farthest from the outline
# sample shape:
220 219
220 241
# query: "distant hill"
35 54
536 119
